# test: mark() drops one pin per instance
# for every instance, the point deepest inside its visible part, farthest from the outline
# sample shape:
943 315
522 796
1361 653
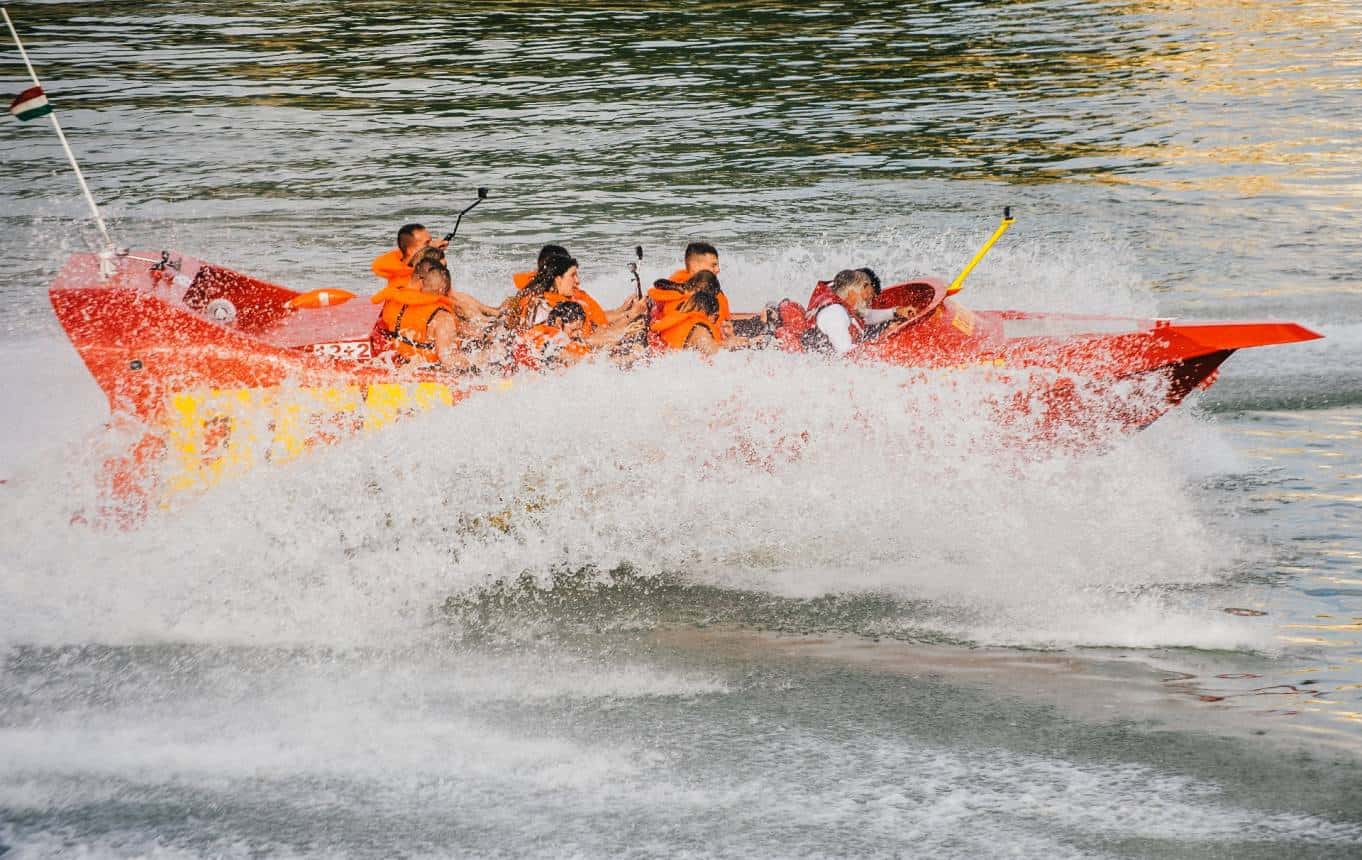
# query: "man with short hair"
395 266
704 257
700 257
443 332
420 322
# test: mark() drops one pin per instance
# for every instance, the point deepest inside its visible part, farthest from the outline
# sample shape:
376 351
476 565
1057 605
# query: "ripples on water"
290 139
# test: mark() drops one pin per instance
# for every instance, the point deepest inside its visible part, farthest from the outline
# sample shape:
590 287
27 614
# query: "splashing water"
798 477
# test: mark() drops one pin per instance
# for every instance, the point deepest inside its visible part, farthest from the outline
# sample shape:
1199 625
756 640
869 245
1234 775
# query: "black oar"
633 270
482 195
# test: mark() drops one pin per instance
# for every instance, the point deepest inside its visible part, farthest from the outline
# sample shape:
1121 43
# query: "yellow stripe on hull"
219 433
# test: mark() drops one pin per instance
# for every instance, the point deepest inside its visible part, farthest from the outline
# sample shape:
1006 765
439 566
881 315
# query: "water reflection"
1313 600
743 122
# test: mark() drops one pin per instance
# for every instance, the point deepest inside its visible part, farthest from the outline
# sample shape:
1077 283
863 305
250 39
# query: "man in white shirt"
841 311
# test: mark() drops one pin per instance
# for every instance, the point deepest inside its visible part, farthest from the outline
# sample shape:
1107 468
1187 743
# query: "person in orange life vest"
529 306
701 257
420 325
558 281
395 266
522 279
666 294
692 324
472 314
596 315
840 312
381 338
561 339
470 310
741 329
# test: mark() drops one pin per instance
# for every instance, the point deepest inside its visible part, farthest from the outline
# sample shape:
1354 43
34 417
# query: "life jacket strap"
396 333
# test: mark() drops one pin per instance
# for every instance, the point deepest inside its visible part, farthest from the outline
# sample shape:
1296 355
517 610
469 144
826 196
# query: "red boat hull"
173 349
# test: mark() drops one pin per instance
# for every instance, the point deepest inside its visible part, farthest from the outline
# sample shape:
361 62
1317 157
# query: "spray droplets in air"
796 477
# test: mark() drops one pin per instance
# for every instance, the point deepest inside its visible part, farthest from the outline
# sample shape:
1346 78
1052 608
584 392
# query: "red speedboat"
219 370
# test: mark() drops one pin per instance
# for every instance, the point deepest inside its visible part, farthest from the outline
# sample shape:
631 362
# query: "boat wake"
819 486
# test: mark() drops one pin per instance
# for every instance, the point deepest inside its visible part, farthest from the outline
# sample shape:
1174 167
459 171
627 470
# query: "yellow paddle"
959 282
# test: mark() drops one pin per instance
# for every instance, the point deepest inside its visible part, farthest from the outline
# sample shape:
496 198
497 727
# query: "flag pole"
106 257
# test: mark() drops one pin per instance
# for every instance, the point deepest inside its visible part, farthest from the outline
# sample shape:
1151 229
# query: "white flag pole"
80 177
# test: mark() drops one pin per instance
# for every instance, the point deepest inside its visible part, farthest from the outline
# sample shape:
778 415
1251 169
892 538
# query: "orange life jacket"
541 336
392 268
522 279
519 310
673 328
523 305
545 343
595 314
680 276
404 323
661 301
665 299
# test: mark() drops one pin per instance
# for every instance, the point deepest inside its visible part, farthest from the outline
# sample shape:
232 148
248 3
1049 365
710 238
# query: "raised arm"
632 307
606 336
444 330
471 309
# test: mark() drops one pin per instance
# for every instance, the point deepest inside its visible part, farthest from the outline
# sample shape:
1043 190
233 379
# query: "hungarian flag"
30 104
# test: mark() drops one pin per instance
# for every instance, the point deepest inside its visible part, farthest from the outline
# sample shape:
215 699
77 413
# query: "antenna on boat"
633 270
31 104
482 195
959 282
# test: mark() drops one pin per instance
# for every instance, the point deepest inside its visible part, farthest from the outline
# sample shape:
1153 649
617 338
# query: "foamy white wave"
761 471
218 716
418 779
50 401
325 741
792 476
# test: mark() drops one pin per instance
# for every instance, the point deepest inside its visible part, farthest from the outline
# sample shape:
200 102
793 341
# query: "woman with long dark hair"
530 305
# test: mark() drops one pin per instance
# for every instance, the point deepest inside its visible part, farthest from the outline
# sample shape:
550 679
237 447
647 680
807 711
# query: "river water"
904 641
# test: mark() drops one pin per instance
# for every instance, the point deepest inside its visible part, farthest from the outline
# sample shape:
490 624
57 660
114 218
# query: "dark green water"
270 672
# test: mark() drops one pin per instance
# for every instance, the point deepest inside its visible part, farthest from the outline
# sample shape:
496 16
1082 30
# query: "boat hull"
222 371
